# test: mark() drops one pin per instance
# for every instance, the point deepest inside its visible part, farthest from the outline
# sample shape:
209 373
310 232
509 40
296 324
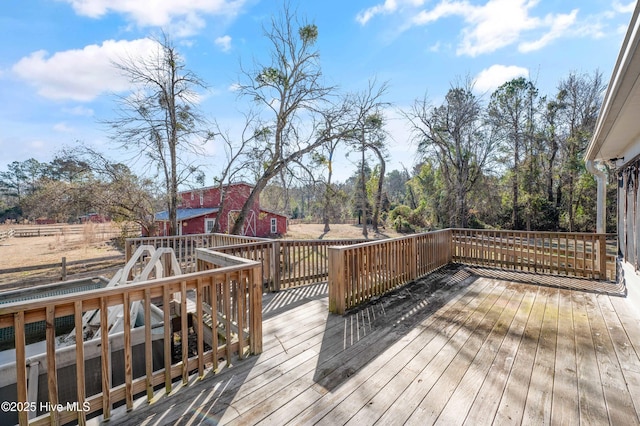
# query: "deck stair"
207 319
156 261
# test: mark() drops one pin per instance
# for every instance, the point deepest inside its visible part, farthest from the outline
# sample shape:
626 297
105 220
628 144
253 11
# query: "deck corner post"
255 312
336 280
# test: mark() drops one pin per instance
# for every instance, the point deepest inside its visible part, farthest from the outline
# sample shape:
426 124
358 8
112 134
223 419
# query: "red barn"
199 208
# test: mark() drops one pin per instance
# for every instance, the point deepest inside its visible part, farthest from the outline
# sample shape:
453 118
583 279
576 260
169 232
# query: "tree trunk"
327 196
516 160
223 198
378 204
260 185
363 189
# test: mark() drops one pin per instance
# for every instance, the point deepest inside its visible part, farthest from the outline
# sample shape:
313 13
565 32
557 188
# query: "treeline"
74 185
512 161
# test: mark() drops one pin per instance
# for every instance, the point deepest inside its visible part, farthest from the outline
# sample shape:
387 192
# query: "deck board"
465 394
470 336
514 397
591 401
540 390
564 409
457 347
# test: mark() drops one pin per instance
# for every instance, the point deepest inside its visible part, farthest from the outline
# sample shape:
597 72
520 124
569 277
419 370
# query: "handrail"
285 263
234 292
576 254
362 271
359 272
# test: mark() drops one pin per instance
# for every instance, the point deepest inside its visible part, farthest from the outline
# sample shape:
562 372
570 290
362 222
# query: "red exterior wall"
234 200
195 225
263 224
235 197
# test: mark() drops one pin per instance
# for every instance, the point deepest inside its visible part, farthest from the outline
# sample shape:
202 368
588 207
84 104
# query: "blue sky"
57 84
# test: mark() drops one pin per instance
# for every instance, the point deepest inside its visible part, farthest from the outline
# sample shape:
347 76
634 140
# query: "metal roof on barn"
184 214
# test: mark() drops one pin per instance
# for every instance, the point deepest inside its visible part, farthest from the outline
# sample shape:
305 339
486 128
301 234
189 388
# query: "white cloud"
80 74
388 6
37 145
62 128
224 43
493 77
487 27
497 24
559 26
183 17
624 8
233 87
80 111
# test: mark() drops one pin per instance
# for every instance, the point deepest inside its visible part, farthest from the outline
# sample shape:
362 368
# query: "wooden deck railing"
288 263
285 263
362 271
359 272
185 246
567 253
114 368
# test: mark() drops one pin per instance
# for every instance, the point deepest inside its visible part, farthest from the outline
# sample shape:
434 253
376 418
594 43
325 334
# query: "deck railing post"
602 255
414 257
336 280
255 310
275 266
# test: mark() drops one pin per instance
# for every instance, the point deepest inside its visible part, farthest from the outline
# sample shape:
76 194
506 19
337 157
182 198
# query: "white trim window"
208 225
274 225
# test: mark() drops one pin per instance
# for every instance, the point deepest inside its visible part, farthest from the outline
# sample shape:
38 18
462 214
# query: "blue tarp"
184 214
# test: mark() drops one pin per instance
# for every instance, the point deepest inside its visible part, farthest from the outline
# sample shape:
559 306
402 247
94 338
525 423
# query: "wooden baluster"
52 371
128 367
105 359
168 338
80 382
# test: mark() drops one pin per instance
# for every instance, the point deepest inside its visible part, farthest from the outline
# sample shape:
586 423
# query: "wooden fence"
6 234
60 269
567 253
225 305
106 230
359 272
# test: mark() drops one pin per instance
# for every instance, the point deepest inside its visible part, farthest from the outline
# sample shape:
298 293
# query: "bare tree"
453 133
326 158
235 149
581 97
159 119
114 190
291 90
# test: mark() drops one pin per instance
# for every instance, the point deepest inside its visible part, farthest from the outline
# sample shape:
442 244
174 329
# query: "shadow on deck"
461 345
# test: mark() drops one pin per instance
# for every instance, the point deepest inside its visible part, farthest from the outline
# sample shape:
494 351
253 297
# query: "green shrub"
400 211
400 224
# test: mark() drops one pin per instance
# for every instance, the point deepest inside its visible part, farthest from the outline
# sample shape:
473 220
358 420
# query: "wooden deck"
458 347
